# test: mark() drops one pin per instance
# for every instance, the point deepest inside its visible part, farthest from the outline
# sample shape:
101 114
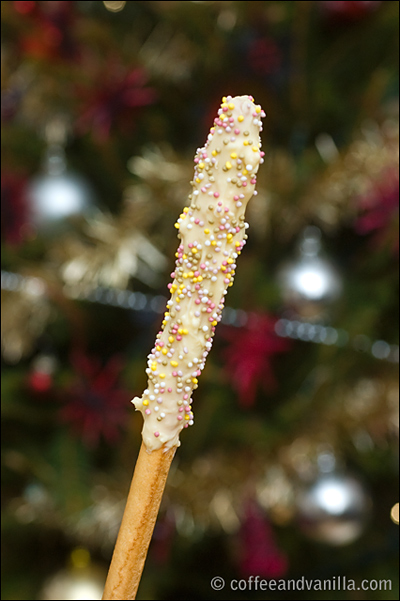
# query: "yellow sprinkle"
233 155
174 363
214 323
237 244
228 165
230 261
194 250
154 366
258 109
184 257
158 348
191 274
194 280
198 180
200 278
231 106
187 416
240 118
224 99
245 172
186 210
162 376
229 238
213 243
222 117
255 149
195 380
207 231
246 143
171 339
145 402
164 322
164 351
185 331
177 225
186 275
223 268
214 153
201 165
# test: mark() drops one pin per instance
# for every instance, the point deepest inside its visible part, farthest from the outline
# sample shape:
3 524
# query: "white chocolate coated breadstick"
212 230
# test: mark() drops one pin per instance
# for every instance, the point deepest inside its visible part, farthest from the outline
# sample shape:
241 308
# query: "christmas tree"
290 473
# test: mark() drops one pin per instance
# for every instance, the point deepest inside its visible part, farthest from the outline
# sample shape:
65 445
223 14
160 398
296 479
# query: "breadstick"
212 231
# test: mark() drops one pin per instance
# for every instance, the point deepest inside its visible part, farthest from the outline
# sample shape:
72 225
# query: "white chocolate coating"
212 231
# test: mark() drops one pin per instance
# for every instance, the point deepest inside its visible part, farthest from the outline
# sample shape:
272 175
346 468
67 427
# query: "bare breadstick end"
138 522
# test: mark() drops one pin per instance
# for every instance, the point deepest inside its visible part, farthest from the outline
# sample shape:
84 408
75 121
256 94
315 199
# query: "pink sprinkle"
174 373
147 412
220 204
185 398
197 301
236 198
202 266
204 190
226 209
216 194
198 372
173 274
169 286
209 310
231 119
156 434
224 262
180 409
169 389
190 244
210 319
179 338
180 417
197 273
244 184
221 227
197 286
253 181
186 426
237 229
237 131
226 281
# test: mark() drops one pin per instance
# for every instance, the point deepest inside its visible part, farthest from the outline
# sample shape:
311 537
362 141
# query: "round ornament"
334 509
311 282
57 195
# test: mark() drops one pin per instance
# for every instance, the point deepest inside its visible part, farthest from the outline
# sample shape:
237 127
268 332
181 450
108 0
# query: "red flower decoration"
380 212
95 404
14 209
51 35
249 356
260 555
350 10
114 100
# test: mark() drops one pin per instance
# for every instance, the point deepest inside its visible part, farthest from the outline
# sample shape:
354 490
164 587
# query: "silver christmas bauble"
334 509
311 282
57 195
74 584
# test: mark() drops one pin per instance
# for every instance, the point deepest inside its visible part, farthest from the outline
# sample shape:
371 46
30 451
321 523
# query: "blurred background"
291 469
